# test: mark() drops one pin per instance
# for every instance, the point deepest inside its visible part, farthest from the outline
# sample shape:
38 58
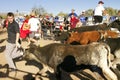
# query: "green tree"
89 12
38 10
62 14
111 11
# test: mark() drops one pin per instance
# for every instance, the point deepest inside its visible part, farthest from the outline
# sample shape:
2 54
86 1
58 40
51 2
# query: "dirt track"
25 72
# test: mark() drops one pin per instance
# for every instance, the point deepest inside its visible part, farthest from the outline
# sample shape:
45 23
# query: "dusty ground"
25 72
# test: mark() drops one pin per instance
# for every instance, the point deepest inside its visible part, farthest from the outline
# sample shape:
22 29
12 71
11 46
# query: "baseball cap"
101 2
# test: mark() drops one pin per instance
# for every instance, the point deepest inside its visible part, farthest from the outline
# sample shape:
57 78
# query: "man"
83 18
99 10
72 13
35 27
13 46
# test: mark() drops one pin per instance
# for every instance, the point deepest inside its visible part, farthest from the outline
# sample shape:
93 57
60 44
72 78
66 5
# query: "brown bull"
91 36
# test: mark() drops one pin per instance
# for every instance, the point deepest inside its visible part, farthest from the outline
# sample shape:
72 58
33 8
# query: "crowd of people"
41 26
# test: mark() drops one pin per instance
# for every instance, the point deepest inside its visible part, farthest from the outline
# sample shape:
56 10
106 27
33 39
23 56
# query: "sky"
54 6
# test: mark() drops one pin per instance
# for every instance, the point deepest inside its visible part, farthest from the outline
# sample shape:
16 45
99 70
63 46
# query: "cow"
52 55
63 36
91 36
115 24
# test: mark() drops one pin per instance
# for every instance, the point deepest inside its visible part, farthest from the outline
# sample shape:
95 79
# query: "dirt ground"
26 72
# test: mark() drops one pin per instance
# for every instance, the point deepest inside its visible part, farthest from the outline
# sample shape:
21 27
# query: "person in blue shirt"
72 13
83 18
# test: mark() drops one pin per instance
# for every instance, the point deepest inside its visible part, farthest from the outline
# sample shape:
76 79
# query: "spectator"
107 16
24 30
73 21
66 22
99 10
35 27
112 18
72 13
5 23
79 24
13 46
83 18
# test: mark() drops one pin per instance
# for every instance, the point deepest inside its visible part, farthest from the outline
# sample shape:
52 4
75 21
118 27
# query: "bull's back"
79 52
88 37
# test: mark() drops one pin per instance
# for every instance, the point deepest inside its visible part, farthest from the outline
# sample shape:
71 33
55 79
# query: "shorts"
32 34
98 19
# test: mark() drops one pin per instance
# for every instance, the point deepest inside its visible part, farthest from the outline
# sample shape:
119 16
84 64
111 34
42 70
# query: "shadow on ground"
2 40
4 73
68 67
2 48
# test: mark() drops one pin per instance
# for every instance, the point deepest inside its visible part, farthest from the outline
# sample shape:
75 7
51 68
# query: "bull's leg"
84 42
115 62
45 69
104 65
109 73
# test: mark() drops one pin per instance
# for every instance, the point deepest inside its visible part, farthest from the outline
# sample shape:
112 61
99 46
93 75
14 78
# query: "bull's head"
111 34
29 52
73 37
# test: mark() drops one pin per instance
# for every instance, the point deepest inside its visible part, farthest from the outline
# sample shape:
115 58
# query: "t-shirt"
34 24
12 29
72 14
98 10
82 19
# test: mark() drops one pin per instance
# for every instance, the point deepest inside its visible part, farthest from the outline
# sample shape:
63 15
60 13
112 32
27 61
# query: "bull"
64 35
115 24
91 36
52 55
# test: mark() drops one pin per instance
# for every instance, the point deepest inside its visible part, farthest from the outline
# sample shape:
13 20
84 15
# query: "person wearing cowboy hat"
98 12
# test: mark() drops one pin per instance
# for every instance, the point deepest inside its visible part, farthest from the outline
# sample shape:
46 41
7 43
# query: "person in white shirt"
98 12
35 27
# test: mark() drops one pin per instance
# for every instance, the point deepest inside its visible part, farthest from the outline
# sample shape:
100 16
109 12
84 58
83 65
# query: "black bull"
53 55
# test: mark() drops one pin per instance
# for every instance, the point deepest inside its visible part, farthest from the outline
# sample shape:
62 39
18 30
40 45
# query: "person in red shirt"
24 30
5 25
73 22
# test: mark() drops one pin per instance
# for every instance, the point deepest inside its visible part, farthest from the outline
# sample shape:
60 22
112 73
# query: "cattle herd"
88 45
